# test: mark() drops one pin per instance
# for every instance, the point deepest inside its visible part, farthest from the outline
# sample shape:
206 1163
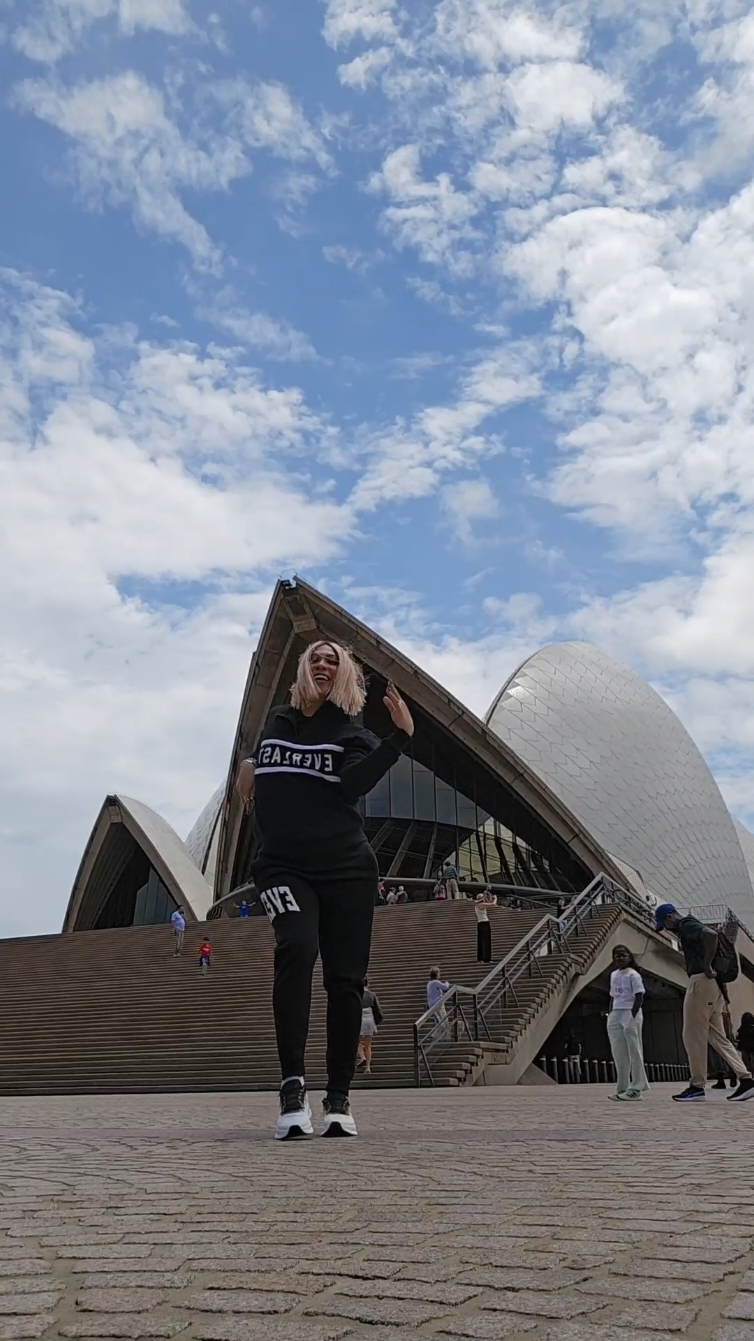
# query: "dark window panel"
424 793
378 800
401 789
446 803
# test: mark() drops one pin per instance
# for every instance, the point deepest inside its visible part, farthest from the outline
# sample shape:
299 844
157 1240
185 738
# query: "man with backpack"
711 961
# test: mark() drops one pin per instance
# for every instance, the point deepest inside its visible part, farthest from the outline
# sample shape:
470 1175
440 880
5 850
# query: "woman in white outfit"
624 1025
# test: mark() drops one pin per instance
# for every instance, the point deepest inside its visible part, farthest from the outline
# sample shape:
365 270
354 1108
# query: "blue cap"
664 910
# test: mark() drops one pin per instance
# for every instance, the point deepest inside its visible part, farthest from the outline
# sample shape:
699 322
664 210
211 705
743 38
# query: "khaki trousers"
703 1024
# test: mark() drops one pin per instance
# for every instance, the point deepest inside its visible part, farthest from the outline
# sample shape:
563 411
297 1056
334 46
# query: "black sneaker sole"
335 1129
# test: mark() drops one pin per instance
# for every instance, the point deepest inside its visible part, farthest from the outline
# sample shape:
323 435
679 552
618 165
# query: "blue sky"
446 306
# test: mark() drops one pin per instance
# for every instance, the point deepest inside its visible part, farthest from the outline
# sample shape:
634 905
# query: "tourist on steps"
450 880
703 1006
436 989
371 1018
624 1025
482 904
179 928
316 873
205 956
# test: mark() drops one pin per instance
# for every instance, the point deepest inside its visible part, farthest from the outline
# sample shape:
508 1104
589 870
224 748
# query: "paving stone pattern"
537 1213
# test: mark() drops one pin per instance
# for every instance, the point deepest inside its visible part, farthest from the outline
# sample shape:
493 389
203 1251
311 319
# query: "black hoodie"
310 772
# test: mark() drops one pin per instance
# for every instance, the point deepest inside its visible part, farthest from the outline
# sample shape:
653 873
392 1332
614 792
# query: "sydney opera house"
579 767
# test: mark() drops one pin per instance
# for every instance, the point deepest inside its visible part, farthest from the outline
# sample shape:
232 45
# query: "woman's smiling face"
323 663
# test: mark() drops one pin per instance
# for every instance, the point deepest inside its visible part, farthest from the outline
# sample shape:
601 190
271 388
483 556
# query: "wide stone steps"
116 1011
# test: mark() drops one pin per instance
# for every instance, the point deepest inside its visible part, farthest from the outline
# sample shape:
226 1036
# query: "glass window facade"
154 903
416 820
134 895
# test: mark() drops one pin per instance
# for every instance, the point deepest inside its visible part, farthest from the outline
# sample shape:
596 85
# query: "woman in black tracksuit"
316 873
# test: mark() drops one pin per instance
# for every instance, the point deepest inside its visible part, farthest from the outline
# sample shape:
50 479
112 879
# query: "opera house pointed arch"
135 871
458 791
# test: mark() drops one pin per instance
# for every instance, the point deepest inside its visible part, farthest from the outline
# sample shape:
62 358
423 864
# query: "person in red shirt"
205 955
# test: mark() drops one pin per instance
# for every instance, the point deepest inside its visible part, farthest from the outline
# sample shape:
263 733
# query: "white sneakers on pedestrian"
338 1119
295 1120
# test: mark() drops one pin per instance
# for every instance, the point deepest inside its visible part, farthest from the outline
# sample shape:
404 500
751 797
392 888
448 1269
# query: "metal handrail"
549 935
720 915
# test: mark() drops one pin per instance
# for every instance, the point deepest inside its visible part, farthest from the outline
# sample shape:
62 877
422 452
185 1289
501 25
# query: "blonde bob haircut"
349 690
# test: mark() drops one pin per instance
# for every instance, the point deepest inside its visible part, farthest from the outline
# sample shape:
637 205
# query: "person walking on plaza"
482 905
371 1018
745 1039
316 874
624 1025
179 928
205 956
703 1006
717 1069
450 880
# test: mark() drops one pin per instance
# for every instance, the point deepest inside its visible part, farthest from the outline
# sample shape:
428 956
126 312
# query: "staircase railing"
468 1013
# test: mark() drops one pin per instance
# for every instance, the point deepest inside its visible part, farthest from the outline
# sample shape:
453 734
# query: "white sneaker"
295 1120
338 1117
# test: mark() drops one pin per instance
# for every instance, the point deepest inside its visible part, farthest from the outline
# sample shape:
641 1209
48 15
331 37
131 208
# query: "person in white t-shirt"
179 927
624 1025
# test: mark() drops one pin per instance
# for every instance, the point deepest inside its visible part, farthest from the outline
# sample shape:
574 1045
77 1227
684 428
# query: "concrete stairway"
519 1026
115 1011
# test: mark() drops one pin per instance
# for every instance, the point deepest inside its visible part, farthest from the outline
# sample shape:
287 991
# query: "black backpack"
725 963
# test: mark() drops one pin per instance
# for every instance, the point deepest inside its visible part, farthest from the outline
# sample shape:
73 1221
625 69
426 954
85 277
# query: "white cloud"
129 148
494 32
265 116
363 70
347 20
410 461
353 258
430 216
127 151
54 27
562 93
255 330
469 501
125 468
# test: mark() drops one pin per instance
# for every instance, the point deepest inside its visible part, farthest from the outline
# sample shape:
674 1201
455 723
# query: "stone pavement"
531 1213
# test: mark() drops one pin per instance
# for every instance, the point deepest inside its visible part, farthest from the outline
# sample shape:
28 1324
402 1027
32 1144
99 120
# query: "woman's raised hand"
402 719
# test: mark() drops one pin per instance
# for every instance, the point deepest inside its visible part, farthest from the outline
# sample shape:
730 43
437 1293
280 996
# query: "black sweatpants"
333 918
484 942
